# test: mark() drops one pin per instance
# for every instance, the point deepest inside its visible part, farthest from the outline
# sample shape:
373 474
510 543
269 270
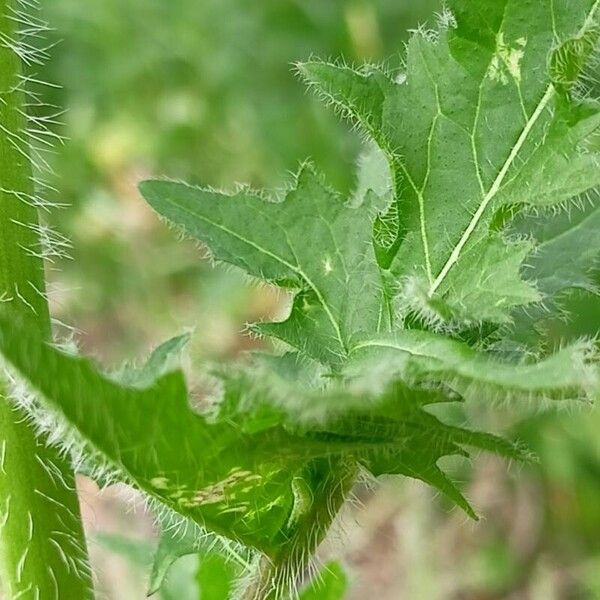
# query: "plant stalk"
271 579
42 545
263 582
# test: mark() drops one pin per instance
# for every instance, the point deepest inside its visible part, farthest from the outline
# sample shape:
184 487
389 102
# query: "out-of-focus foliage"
204 89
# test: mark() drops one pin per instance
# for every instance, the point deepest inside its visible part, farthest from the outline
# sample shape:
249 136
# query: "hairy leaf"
479 121
568 249
312 241
487 120
425 357
397 291
276 455
221 561
215 575
235 483
565 268
171 547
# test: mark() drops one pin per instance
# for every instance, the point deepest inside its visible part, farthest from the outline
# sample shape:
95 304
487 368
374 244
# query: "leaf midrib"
493 191
497 184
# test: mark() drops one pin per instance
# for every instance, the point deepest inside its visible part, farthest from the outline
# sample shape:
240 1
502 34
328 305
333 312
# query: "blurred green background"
204 90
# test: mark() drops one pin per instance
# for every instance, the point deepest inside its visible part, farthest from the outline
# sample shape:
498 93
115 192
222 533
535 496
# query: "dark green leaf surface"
565 268
568 249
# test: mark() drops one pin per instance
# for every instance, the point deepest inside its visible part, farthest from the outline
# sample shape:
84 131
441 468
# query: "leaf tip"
148 189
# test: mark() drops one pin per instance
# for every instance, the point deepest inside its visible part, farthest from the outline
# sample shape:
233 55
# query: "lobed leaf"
398 292
486 121
234 483
312 241
480 121
263 471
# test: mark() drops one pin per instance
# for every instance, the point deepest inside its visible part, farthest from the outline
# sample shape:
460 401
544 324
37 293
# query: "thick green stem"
42 546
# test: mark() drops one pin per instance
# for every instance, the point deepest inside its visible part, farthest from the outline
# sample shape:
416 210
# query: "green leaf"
237 484
565 269
220 562
164 359
172 547
568 249
455 160
216 577
263 480
474 129
569 60
489 267
474 125
330 583
578 317
312 241
423 357
368 404
218 569
181 583
487 120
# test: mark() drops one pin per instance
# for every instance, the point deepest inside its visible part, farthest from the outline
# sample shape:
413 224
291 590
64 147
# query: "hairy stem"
263 581
42 546
274 579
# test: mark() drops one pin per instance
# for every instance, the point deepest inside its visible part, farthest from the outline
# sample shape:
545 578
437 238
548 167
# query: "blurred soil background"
204 90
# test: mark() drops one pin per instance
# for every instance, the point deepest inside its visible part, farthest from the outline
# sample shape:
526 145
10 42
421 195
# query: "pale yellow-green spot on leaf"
507 60
178 493
159 483
303 500
223 490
